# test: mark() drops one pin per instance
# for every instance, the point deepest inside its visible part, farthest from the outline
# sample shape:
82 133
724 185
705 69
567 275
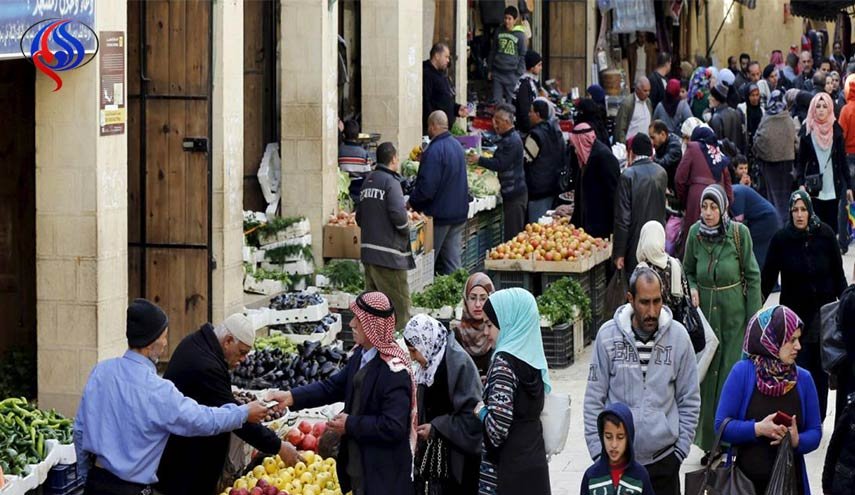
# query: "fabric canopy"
821 11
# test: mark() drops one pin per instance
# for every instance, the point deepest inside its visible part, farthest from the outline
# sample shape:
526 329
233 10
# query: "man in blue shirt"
127 412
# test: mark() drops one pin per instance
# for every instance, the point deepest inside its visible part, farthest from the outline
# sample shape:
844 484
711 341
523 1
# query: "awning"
821 11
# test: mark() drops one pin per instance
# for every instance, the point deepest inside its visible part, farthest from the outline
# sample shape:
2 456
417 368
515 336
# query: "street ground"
567 468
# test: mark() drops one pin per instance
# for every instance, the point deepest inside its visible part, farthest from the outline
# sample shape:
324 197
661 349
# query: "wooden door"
169 181
565 43
17 206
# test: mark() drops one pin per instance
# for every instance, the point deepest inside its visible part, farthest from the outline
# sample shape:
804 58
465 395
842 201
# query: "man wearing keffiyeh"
378 424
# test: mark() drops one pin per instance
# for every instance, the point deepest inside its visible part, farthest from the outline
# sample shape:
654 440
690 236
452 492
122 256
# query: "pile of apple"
559 241
316 476
342 219
305 435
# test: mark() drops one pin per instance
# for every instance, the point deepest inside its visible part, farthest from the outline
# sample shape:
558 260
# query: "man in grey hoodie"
645 359
507 57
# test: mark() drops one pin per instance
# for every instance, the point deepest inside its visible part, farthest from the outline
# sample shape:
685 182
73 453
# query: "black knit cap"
145 323
641 145
532 58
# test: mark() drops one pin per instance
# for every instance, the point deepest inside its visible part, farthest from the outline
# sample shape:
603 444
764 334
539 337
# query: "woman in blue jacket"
758 387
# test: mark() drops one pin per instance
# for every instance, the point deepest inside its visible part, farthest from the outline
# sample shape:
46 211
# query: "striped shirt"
499 406
644 349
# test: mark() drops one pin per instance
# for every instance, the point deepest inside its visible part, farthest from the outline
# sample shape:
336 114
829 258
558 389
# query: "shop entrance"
169 162
18 208
565 43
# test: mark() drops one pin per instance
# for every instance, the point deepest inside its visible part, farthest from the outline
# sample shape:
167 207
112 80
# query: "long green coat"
710 267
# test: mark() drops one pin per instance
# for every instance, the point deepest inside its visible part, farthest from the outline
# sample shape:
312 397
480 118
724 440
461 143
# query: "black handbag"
718 477
694 325
813 184
433 469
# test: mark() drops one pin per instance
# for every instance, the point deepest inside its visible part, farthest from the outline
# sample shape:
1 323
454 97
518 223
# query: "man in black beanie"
640 199
528 88
726 121
127 412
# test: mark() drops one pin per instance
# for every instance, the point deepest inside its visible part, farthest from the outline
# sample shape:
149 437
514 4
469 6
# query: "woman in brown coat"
703 164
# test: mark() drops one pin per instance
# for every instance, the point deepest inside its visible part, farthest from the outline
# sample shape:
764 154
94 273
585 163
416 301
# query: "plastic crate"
62 480
547 279
558 346
507 280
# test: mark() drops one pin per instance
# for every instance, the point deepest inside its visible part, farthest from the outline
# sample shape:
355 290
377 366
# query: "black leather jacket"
668 156
640 199
726 122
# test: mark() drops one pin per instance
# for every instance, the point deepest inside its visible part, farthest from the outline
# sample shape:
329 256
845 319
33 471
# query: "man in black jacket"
726 121
640 199
437 91
199 368
385 233
668 148
545 157
659 78
528 88
508 162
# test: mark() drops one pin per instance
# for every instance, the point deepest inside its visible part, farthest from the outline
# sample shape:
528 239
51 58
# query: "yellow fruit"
258 471
310 456
240 483
267 479
299 468
322 478
330 461
296 485
286 476
315 468
307 478
279 483
270 465
250 483
309 491
280 465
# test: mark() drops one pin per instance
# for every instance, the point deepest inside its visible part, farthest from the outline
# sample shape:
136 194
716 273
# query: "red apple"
305 427
256 491
319 429
262 484
310 442
294 436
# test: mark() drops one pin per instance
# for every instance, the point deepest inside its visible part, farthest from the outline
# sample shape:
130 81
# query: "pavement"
566 469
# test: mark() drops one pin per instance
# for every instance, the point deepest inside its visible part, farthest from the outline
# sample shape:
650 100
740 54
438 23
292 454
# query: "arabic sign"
17 16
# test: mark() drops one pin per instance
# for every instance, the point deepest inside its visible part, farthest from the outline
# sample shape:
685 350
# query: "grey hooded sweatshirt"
665 403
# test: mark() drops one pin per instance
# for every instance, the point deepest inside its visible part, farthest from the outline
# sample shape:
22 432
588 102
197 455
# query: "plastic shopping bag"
555 420
705 357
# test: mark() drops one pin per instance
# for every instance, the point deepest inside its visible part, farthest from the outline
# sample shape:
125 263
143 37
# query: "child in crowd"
741 171
353 159
616 472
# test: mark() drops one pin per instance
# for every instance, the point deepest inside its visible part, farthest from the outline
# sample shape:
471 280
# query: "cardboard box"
341 242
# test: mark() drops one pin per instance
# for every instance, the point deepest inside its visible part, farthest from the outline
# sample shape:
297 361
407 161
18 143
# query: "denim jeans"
538 207
448 244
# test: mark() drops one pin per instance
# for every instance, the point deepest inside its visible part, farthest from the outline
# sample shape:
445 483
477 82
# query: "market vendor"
199 367
378 423
127 412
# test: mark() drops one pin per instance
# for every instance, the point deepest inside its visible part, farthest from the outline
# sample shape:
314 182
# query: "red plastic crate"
482 123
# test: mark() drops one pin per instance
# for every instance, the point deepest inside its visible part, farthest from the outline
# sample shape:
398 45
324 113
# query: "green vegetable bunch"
563 301
281 254
457 129
344 275
23 431
409 168
345 203
446 290
278 341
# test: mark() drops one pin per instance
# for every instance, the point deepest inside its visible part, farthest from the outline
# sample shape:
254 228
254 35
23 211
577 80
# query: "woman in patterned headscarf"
448 389
758 387
471 330
806 287
699 90
379 395
725 284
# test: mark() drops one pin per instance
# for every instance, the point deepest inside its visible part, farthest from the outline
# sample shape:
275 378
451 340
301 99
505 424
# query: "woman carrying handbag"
769 398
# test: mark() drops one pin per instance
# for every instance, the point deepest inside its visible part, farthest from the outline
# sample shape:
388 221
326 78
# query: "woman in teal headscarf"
514 456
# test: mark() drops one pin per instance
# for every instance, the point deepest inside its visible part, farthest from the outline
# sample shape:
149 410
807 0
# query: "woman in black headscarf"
806 255
753 113
591 112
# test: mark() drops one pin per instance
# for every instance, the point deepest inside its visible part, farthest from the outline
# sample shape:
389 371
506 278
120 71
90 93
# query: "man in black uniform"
437 91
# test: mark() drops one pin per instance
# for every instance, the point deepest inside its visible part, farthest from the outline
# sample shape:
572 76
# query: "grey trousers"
503 86
448 244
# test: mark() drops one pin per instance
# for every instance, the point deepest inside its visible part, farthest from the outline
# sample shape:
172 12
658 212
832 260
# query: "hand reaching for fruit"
289 455
337 424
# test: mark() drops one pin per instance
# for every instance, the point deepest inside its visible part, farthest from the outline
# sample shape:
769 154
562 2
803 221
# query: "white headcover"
241 328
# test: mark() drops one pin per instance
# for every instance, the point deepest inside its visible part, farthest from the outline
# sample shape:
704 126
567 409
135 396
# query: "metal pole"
707 23
723 20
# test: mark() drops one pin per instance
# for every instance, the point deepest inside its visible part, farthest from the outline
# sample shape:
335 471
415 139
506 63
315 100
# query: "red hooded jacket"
847 115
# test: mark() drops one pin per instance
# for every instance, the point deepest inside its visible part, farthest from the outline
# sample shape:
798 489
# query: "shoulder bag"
718 477
738 243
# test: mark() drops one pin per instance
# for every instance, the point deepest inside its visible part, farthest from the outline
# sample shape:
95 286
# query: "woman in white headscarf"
449 388
651 253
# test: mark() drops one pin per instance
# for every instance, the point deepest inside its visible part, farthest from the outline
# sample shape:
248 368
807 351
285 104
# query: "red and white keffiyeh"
381 333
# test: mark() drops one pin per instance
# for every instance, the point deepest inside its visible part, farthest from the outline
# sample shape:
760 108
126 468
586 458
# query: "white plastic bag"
555 419
270 173
710 347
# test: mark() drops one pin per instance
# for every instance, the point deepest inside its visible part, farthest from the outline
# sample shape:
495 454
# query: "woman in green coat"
725 283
